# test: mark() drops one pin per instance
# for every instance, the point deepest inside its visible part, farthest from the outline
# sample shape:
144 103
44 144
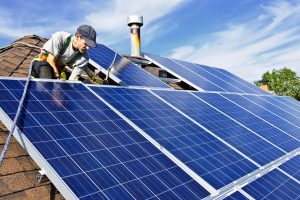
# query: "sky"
247 37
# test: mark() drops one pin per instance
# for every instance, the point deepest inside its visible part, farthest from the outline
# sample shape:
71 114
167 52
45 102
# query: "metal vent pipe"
135 22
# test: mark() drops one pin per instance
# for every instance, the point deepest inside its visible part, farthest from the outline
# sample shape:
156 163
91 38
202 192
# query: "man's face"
81 44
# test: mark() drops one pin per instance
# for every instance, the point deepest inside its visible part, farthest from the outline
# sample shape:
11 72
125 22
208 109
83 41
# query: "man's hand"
51 61
56 75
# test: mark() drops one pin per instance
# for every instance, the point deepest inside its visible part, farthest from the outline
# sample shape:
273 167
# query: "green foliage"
283 82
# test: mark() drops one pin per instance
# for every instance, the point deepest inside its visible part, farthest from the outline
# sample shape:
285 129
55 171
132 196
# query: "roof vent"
135 22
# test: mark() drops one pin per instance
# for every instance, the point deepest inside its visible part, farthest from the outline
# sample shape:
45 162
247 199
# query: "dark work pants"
42 69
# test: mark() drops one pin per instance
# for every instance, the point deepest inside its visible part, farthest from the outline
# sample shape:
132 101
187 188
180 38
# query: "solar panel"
292 167
122 71
255 123
286 108
187 76
235 80
290 102
203 77
87 150
273 185
217 163
248 142
269 113
208 76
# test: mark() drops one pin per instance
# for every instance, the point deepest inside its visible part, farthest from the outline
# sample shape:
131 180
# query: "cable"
110 67
7 142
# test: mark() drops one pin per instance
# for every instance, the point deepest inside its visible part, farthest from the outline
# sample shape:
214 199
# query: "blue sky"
246 37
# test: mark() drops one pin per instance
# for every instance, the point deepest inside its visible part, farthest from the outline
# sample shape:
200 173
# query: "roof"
19 171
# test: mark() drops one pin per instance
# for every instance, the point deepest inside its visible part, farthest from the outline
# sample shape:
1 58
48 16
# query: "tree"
284 82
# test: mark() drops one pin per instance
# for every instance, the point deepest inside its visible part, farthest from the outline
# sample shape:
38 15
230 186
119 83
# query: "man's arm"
75 73
51 61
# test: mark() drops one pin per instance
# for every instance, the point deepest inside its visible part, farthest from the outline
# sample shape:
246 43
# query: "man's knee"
46 72
43 70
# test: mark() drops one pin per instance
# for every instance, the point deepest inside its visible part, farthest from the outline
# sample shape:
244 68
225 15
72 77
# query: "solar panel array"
98 142
203 77
215 162
122 70
90 148
231 129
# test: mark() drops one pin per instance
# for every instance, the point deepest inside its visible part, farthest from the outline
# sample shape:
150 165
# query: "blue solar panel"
272 114
273 185
214 161
287 108
208 76
123 69
235 80
238 136
262 128
91 149
292 167
236 196
186 75
293 103
203 77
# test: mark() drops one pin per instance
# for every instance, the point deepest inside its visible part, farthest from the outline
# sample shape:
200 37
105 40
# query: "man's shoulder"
60 35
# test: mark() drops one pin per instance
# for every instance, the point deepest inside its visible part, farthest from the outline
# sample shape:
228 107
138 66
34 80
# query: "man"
63 49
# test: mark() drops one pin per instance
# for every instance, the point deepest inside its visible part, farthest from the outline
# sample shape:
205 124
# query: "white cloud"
111 20
108 17
249 49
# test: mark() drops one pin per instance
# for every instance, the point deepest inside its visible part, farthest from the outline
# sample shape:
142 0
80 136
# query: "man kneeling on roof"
63 49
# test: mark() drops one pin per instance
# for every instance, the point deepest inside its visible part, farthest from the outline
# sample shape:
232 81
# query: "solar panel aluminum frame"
38 158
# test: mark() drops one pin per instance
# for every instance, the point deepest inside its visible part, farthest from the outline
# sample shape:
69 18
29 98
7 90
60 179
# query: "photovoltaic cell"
214 161
92 150
123 69
273 185
238 136
268 112
236 196
262 128
292 167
